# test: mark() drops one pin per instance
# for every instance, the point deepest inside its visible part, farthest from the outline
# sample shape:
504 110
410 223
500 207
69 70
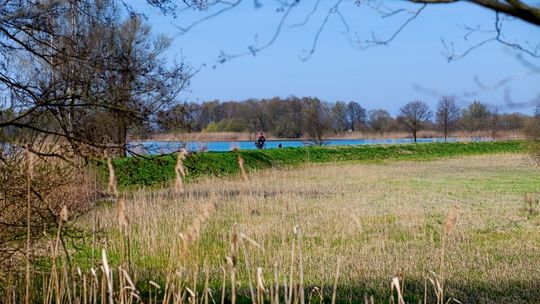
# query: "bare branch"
229 6
333 10
254 49
498 36
308 16
364 45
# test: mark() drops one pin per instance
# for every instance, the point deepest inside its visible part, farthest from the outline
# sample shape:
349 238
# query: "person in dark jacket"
260 141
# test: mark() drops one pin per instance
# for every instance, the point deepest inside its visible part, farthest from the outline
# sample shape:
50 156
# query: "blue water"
164 147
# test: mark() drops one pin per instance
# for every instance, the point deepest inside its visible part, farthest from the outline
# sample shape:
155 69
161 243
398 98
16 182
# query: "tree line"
310 117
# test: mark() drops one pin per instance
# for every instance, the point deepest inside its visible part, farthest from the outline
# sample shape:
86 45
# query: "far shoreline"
247 137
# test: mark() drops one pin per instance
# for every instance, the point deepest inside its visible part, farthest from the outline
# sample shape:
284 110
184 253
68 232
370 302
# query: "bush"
55 184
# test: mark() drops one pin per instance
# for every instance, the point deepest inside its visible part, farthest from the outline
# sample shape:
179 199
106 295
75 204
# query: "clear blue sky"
381 77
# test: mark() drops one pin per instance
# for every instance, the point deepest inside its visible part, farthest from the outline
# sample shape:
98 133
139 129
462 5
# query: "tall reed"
30 174
180 171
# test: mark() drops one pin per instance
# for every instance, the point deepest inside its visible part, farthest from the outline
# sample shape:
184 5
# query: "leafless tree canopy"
76 70
413 115
447 115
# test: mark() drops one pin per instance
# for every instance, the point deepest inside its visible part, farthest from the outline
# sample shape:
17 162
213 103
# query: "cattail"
232 260
450 221
300 263
180 170
260 280
123 221
156 285
113 189
193 231
396 285
108 275
261 290
243 236
64 214
234 248
448 227
28 218
334 291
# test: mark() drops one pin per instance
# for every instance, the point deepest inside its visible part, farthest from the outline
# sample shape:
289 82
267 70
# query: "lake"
164 147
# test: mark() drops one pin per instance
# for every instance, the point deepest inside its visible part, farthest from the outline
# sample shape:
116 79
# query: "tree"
380 121
447 115
413 115
141 83
494 123
316 120
339 115
475 117
89 74
176 119
532 131
356 115
513 121
75 80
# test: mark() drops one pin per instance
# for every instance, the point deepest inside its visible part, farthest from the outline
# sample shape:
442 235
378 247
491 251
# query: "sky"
411 67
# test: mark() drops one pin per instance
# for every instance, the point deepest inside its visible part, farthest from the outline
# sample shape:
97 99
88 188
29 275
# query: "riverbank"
159 170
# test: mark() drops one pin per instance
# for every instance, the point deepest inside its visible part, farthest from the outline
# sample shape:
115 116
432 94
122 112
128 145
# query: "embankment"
158 170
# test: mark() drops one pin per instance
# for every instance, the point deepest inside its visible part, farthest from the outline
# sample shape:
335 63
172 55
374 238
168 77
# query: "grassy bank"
160 169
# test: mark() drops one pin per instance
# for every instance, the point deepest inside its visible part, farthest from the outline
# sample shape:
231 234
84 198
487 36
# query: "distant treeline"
295 117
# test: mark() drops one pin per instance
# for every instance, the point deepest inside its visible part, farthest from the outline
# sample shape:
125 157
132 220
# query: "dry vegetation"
247 136
464 219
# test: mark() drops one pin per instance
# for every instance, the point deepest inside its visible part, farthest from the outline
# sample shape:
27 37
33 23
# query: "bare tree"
447 116
380 121
413 115
494 123
339 113
475 117
73 69
356 115
317 120
74 77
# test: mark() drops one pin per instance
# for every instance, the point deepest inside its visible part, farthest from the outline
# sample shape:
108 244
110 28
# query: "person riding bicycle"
260 141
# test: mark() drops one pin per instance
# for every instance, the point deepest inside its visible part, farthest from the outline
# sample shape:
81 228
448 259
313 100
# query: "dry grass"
205 136
462 218
406 231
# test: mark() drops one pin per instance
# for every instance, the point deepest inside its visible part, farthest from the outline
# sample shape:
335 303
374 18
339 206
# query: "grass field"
462 218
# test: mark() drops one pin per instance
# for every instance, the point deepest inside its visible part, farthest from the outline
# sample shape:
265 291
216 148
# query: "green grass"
158 170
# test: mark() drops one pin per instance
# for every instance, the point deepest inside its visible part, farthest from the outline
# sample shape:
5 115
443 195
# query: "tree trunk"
445 133
121 135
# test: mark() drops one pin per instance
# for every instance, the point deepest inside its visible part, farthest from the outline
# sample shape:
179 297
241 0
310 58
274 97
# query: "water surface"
164 147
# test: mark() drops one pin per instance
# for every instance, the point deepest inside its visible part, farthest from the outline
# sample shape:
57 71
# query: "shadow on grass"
414 292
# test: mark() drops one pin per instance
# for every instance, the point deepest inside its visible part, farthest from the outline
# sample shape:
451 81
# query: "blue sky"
412 67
